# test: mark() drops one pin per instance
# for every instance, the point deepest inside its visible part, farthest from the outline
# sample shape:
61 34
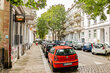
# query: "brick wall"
4 28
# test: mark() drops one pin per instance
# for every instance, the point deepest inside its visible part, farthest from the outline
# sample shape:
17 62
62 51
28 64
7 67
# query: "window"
82 33
95 21
16 38
1 4
16 28
95 32
49 46
82 13
82 24
64 52
88 22
52 50
21 37
97 46
102 21
89 34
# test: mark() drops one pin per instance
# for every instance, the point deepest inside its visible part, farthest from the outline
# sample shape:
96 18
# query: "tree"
94 8
52 20
55 17
36 4
42 29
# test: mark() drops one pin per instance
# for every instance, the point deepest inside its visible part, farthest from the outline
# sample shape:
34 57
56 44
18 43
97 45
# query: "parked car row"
60 55
94 48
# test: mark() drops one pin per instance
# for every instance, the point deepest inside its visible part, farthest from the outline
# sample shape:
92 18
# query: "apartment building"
74 24
84 29
97 30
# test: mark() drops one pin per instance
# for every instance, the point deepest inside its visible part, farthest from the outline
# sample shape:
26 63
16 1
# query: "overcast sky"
66 3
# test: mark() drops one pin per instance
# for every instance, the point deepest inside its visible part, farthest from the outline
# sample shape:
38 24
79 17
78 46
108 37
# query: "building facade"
74 24
5 54
97 30
87 29
15 37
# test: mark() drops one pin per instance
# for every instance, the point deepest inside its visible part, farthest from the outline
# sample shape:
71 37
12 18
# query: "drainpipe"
10 63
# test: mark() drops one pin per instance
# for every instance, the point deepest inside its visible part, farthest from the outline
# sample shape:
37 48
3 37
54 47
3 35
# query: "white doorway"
102 35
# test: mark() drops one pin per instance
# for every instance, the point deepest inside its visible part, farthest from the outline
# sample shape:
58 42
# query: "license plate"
67 64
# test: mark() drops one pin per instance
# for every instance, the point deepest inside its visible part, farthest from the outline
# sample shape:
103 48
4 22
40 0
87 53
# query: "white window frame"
95 33
89 34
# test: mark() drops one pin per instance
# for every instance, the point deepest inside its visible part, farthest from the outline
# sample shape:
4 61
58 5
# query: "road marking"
81 64
96 62
47 68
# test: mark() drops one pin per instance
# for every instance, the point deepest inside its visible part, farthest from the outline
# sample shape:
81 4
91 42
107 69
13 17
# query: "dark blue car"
87 47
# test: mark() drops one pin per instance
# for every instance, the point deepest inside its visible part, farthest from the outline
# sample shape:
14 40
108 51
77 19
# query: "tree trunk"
53 35
59 35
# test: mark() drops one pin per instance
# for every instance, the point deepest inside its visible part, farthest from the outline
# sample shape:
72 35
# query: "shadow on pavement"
66 70
4 71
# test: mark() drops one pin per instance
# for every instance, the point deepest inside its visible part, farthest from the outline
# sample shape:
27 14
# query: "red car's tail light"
56 58
76 57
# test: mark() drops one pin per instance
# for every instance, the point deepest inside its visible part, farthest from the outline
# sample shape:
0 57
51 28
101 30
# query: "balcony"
71 22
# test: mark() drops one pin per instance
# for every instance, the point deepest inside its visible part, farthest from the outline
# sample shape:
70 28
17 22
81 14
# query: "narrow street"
34 61
87 58
32 30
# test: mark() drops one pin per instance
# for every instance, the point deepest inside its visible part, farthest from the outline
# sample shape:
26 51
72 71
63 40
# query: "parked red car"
62 56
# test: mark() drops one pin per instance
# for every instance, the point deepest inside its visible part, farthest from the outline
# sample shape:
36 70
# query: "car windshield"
49 46
69 42
62 41
64 52
98 45
87 44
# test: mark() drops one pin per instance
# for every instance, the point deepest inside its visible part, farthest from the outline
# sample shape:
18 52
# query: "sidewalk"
31 62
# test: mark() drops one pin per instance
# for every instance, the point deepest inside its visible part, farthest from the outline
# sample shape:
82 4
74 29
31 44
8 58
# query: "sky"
66 3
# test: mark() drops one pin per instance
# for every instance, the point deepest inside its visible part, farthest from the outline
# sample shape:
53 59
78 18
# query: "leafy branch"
39 4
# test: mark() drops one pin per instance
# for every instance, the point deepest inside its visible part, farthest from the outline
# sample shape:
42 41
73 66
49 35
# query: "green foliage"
52 19
77 15
95 8
30 3
41 27
55 17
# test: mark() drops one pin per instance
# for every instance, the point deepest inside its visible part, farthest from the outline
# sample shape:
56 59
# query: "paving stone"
31 62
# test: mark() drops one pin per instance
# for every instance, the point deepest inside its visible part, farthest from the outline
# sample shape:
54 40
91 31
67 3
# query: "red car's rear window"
65 52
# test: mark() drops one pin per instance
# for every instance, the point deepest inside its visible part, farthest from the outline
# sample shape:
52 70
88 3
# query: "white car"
100 48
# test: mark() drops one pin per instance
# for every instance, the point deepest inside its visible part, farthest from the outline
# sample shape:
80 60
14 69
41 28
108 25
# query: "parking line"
81 64
97 62
47 68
